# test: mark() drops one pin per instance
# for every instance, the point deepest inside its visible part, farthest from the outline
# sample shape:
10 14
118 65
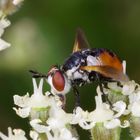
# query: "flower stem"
40 113
99 132
43 136
135 126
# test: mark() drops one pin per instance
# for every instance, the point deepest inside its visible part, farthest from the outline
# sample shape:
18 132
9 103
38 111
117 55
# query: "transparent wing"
80 41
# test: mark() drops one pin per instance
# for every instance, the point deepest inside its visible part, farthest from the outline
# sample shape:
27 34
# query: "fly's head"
58 81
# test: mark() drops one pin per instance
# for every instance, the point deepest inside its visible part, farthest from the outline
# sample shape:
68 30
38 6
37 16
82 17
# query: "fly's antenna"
36 74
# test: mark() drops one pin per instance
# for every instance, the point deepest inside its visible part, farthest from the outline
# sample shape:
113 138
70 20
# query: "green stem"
40 113
135 126
42 136
99 132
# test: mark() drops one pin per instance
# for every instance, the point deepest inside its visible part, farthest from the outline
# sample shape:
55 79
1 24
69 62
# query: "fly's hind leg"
104 95
101 83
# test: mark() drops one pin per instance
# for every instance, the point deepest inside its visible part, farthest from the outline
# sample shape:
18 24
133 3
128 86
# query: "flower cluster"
124 112
18 135
47 117
46 114
3 24
6 7
49 121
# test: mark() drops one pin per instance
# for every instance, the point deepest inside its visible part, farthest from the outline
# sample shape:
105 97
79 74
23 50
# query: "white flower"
17 2
115 123
137 138
128 87
3 45
125 124
110 117
64 134
113 87
131 90
23 112
134 99
87 120
82 118
119 107
58 118
56 133
37 100
8 7
37 126
18 135
135 109
112 124
102 114
34 135
3 24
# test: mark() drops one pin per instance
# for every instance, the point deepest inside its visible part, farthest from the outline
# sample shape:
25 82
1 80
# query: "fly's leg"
36 74
119 84
77 96
63 100
102 90
104 95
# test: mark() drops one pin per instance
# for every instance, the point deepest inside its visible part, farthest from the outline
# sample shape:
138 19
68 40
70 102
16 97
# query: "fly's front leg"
36 74
63 100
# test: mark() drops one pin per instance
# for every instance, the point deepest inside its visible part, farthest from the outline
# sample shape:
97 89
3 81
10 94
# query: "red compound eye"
58 81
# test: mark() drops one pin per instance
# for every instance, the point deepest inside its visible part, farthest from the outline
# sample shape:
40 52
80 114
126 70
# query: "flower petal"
34 135
4 23
128 88
3 45
17 2
135 109
137 138
86 125
21 101
38 127
112 124
18 135
119 107
125 124
24 112
102 112
65 134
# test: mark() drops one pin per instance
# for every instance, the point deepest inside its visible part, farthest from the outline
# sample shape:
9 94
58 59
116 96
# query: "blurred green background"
42 34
